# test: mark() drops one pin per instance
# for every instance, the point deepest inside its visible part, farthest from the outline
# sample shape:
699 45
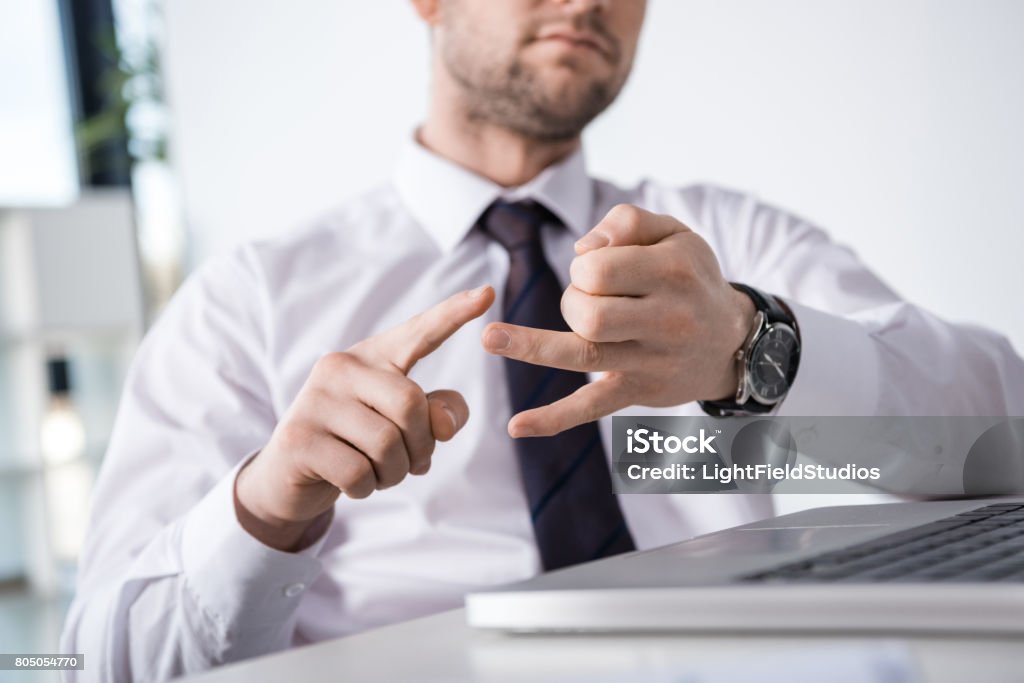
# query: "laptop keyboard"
981 545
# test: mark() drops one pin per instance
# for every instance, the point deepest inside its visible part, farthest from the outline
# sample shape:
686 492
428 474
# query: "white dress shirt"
169 581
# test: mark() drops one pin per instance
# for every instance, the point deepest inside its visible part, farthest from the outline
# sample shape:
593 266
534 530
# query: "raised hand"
649 308
359 424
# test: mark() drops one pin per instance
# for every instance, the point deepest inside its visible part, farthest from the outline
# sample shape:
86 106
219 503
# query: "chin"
579 95
568 82
577 68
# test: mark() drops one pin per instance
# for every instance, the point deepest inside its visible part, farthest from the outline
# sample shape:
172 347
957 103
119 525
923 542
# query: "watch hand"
775 365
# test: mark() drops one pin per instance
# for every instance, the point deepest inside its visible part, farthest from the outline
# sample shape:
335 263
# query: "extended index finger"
421 335
562 350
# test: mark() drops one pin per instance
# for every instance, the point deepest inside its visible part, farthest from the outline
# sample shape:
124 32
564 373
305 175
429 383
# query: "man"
256 492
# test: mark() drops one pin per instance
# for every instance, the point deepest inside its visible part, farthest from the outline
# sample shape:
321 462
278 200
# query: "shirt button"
294 589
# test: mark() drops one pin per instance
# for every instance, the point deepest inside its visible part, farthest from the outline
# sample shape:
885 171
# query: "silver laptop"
949 566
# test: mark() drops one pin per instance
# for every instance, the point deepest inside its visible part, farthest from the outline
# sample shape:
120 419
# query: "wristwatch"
768 360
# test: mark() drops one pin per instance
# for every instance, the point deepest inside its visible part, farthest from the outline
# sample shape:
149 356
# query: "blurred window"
37 150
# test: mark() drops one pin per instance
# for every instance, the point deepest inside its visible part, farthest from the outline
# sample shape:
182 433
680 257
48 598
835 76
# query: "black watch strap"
771 307
775 311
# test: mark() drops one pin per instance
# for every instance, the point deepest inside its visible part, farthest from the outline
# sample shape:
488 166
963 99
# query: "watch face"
772 363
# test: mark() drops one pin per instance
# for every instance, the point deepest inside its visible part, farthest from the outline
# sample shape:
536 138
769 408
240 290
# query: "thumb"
628 225
448 413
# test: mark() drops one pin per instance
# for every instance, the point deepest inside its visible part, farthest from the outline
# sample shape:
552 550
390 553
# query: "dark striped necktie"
576 517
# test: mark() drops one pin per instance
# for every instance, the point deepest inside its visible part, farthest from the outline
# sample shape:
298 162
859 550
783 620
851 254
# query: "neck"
501 155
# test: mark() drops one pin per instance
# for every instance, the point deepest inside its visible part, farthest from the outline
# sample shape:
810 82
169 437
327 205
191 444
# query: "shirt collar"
447 199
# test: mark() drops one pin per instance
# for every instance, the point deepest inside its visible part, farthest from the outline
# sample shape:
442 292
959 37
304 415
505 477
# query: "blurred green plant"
135 107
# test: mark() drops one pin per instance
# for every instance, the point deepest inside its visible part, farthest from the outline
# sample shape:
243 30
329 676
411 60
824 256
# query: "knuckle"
590 355
313 395
626 215
391 480
679 269
359 490
578 272
409 399
591 272
533 347
387 439
359 480
359 470
581 326
582 313
332 363
590 413
420 455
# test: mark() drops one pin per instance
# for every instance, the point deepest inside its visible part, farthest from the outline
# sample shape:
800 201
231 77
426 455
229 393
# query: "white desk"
443 648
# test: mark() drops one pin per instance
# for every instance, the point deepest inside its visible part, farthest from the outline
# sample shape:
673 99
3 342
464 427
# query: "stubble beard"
515 97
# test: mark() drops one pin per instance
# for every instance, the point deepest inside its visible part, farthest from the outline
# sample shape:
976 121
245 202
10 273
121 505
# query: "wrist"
741 321
280 534
767 362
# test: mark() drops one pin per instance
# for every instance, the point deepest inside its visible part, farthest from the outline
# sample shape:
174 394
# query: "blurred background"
138 138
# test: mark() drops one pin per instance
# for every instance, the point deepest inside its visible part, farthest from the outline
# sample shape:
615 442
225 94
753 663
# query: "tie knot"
516 224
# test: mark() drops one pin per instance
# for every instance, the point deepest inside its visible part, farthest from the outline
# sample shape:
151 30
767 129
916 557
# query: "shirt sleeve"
169 582
865 350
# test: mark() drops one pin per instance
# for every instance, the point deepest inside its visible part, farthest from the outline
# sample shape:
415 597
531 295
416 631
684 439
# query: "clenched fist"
359 424
648 307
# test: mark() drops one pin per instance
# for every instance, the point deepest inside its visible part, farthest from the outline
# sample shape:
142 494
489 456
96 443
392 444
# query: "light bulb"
62 437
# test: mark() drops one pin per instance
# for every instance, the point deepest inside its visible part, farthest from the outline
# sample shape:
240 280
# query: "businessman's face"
542 68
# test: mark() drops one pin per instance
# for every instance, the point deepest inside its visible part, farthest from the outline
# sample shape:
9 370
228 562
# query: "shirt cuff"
241 583
839 367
